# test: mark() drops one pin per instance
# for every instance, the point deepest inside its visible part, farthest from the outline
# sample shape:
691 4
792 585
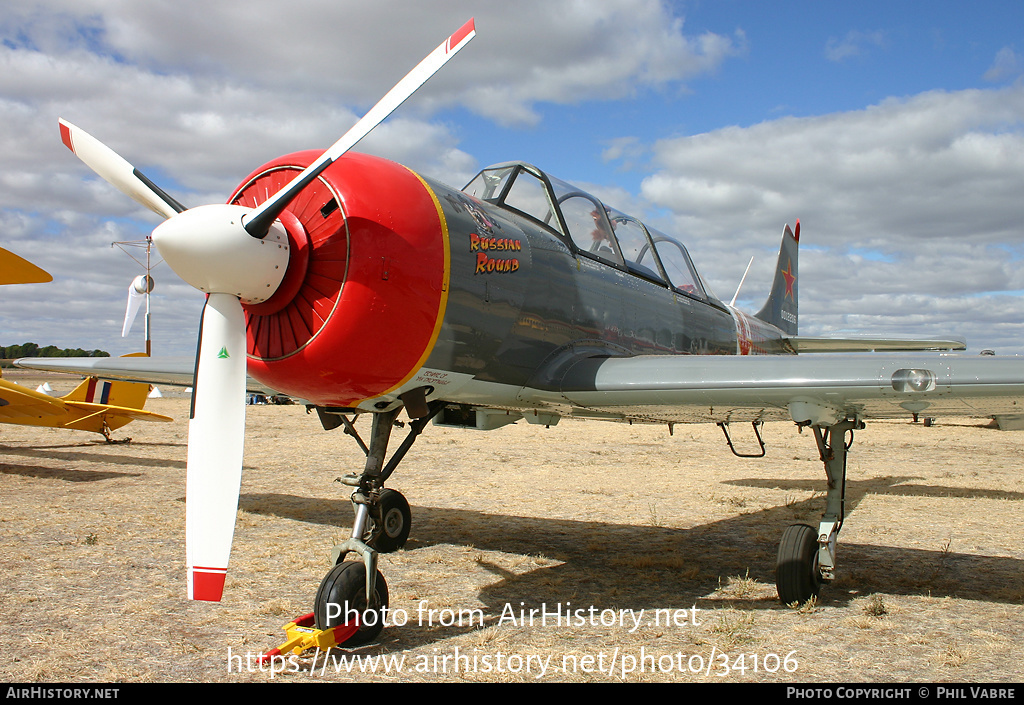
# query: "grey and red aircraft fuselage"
522 296
399 283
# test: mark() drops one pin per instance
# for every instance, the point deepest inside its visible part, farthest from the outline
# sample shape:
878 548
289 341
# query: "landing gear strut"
381 524
807 557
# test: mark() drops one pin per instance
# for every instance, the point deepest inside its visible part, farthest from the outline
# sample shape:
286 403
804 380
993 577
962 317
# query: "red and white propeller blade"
216 433
208 248
234 255
259 221
116 171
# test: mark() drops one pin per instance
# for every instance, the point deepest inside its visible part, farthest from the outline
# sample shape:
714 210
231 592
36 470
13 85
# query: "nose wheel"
342 599
381 525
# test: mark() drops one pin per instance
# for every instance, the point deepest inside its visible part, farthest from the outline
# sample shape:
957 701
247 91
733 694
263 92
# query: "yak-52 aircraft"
363 287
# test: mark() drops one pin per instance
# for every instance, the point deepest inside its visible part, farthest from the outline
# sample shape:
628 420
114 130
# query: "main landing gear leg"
381 524
807 558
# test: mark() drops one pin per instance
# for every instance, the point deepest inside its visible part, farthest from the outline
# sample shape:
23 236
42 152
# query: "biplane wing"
17 403
175 371
94 406
18 270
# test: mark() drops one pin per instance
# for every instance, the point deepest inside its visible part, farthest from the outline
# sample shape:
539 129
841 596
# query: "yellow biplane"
100 407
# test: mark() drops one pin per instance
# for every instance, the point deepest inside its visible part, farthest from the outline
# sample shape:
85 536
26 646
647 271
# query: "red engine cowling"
362 301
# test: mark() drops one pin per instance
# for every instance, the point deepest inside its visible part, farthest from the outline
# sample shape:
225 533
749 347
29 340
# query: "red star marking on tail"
790 279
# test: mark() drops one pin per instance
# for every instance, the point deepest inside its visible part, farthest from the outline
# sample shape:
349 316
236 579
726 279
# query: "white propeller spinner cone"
209 248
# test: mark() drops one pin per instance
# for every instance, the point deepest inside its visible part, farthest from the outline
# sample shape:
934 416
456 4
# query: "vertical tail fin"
780 310
131 395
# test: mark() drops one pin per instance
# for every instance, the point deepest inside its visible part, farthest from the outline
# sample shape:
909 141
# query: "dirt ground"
660 548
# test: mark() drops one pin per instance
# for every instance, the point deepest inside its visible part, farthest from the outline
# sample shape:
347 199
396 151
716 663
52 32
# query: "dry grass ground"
601 515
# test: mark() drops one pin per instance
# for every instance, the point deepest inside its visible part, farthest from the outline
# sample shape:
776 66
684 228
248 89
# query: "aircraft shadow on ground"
624 566
58 453
66 474
894 485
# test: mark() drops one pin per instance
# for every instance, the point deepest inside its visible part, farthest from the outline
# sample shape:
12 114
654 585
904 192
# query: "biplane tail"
131 395
780 310
108 405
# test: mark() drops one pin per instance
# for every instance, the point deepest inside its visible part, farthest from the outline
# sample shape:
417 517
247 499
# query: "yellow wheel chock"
302 635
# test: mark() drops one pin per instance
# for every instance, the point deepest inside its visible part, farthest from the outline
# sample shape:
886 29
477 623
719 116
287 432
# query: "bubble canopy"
589 227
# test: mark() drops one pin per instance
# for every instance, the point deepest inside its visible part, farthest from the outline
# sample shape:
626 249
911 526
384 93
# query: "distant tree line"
12 352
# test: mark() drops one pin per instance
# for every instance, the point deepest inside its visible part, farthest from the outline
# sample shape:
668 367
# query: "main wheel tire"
392 522
345 586
796 570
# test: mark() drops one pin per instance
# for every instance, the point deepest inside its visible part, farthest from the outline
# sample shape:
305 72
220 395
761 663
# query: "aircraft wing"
816 388
175 371
703 388
17 270
807 344
122 413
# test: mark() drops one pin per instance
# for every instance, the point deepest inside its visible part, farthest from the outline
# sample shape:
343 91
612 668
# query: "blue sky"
895 131
794 58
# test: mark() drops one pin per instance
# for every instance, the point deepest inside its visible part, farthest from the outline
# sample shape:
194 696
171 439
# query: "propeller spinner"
234 254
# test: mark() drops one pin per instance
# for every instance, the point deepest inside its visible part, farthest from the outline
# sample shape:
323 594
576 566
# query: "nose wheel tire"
796 570
391 523
342 596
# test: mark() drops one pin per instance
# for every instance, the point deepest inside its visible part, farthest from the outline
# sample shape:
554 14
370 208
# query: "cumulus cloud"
628 151
1007 65
606 55
937 154
197 94
204 91
908 205
536 50
855 43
